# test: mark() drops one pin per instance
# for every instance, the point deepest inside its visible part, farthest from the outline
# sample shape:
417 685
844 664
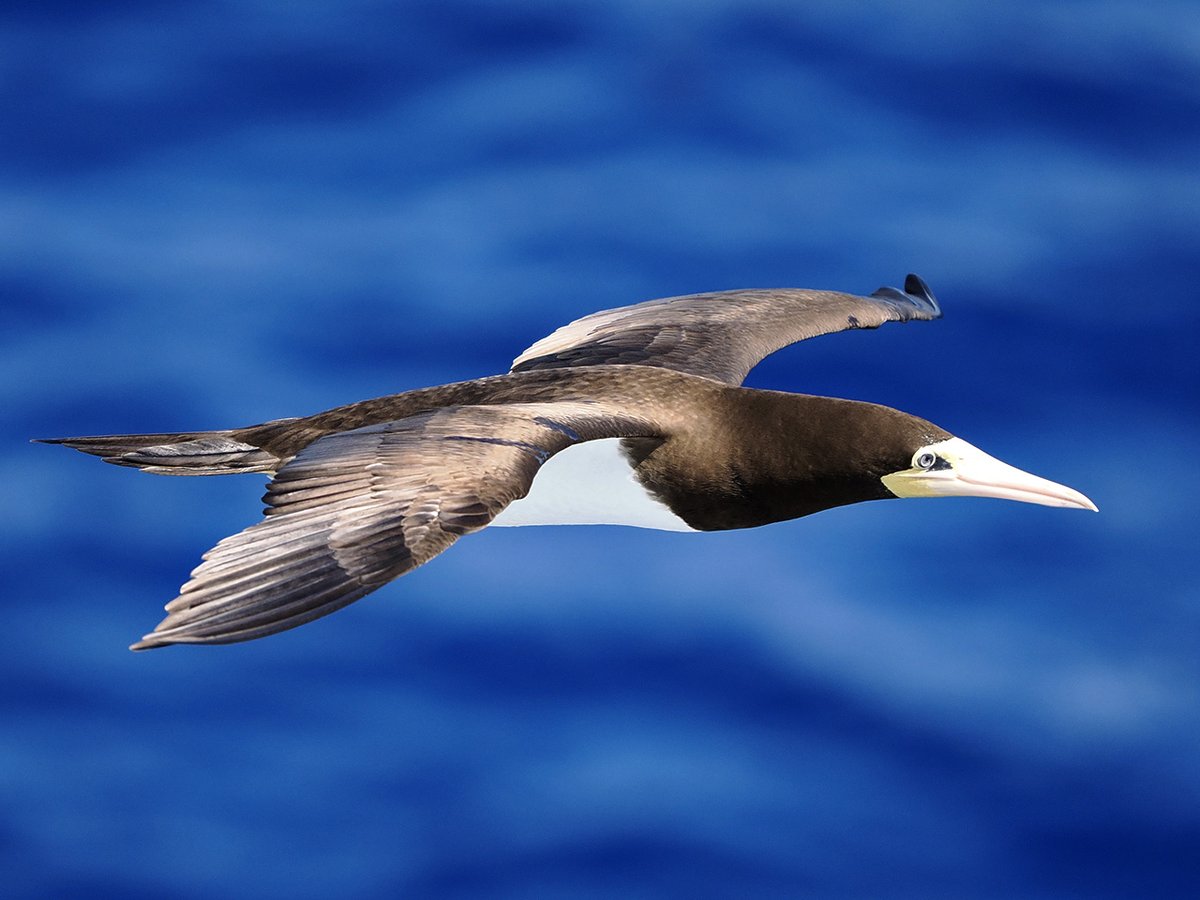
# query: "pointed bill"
960 469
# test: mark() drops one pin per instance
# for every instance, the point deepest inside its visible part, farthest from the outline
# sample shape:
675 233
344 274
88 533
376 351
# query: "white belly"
590 484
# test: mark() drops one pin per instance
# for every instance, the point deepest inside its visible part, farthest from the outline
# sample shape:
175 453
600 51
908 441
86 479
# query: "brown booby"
630 416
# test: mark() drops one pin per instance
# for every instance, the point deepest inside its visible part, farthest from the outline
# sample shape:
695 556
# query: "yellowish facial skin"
954 468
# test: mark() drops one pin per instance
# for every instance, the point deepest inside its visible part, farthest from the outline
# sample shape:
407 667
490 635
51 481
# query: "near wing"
354 510
722 335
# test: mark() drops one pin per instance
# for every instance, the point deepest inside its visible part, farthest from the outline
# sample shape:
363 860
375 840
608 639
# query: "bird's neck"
776 456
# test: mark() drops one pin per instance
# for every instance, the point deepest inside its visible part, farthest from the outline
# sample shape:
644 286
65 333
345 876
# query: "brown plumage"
363 493
721 335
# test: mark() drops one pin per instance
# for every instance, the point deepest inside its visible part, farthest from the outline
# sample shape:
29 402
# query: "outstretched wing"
356 509
722 335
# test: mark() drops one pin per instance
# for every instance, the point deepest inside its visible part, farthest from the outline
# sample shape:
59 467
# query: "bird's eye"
926 460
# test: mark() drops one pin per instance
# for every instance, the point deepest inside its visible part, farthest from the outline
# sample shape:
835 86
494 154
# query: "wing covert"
721 335
356 509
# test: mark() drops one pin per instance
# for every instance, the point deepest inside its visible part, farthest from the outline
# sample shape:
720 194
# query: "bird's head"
847 451
950 467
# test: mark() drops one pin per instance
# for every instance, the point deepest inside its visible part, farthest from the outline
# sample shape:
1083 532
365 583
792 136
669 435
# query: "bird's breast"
592 483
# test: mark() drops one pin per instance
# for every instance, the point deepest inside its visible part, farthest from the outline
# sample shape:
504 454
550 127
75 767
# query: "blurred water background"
216 214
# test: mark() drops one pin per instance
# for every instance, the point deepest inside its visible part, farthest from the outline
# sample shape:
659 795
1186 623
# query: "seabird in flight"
630 416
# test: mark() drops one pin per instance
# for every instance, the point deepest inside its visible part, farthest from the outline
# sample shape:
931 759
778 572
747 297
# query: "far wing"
356 509
721 335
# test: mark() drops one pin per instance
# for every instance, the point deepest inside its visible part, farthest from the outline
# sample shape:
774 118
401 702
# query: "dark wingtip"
916 293
915 286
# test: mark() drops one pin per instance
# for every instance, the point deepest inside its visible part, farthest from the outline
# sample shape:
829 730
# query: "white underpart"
590 484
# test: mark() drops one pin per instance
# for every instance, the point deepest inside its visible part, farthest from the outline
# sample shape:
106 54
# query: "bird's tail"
195 453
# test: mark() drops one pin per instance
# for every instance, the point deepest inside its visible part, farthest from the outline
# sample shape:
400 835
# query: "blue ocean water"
217 214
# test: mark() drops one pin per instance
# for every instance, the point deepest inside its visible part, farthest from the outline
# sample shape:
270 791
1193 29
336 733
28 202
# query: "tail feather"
198 453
